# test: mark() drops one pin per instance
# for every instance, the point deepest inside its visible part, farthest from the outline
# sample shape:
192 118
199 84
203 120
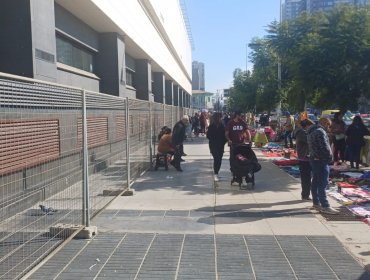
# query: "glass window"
129 77
73 55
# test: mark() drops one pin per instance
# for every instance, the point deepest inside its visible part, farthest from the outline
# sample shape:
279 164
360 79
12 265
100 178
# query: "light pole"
246 58
278 108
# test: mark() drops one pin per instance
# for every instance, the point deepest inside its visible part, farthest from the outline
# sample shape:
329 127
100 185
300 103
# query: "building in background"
292 8
137 49
202 100
198 74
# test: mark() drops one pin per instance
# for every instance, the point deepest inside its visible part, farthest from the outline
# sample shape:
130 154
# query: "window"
129 77
73 55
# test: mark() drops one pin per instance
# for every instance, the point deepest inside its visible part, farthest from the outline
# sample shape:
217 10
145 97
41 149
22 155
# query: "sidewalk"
182 225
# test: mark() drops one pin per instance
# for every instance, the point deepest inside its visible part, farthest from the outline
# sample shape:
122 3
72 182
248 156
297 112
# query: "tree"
326 57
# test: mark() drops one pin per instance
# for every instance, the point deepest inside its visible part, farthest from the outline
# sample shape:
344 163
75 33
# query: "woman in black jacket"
355 140
217 140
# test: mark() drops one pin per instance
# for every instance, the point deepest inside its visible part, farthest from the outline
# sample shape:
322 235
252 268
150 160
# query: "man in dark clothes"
178 137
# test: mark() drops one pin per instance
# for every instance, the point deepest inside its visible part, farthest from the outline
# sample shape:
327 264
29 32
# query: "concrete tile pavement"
216 231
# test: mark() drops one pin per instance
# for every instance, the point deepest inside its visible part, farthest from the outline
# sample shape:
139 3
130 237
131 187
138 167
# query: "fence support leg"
85 166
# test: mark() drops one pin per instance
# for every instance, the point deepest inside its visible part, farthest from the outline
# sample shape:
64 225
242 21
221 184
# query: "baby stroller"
243 164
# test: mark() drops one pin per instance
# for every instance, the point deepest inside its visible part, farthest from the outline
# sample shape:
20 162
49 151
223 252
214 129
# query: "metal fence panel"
41 153
41 183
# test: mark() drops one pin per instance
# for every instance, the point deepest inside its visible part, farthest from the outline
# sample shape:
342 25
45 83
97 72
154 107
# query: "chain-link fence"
65 153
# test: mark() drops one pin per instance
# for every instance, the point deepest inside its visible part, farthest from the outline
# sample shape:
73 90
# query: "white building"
135 48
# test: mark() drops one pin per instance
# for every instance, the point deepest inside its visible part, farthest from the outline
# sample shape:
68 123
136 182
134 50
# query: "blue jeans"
320 180
288 135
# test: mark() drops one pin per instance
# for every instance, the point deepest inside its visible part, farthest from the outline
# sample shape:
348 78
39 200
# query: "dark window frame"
75 54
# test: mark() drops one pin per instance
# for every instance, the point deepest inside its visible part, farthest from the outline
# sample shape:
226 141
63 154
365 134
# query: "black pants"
305 170
177 156
217 160
339 149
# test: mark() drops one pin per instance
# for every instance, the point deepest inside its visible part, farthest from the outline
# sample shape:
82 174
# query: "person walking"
178 137
355 140
237 130
300 134
320 155
338 129
237 133
217 140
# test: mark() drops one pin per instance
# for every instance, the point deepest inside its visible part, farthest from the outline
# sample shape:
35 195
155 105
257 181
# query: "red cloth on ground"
286 162
346 185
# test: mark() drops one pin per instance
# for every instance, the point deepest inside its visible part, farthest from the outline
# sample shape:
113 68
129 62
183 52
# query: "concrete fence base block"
111 192
66 230
87 233
128 193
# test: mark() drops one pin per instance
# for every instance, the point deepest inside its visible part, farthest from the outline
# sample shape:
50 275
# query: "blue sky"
221 29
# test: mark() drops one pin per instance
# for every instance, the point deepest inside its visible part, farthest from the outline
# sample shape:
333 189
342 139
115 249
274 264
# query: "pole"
127 115
85 168
278 109
246 58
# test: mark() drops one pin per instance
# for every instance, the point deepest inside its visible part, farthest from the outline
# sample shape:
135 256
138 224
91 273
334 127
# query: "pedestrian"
338 129
165 142
355 140
237 131
320 157
195 124
289 126
217 140
203 122
226 119
300 134
178 137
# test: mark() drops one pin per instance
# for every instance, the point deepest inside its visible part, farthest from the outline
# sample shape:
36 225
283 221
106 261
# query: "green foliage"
325 61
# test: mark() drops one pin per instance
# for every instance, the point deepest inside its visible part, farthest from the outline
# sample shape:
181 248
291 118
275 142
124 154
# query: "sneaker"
329 210
215 178
306 198
316 207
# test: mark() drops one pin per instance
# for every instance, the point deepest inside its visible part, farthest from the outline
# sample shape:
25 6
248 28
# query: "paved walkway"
182 225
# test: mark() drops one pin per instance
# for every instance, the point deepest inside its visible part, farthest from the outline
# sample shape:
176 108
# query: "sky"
221 30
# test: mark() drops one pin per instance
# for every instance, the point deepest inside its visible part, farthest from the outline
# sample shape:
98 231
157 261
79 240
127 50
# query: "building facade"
198 75
133 48
292 8
202 100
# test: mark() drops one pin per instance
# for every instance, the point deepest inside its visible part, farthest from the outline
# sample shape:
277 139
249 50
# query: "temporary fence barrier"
65 153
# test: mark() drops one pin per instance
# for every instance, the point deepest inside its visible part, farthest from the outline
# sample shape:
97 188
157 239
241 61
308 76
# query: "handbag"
339 136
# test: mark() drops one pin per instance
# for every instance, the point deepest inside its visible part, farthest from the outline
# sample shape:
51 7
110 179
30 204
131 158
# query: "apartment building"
132 48
198 75
292 8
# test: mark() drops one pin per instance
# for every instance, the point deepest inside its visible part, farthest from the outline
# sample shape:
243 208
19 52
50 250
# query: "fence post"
128 145
151 134
164 114
85 167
